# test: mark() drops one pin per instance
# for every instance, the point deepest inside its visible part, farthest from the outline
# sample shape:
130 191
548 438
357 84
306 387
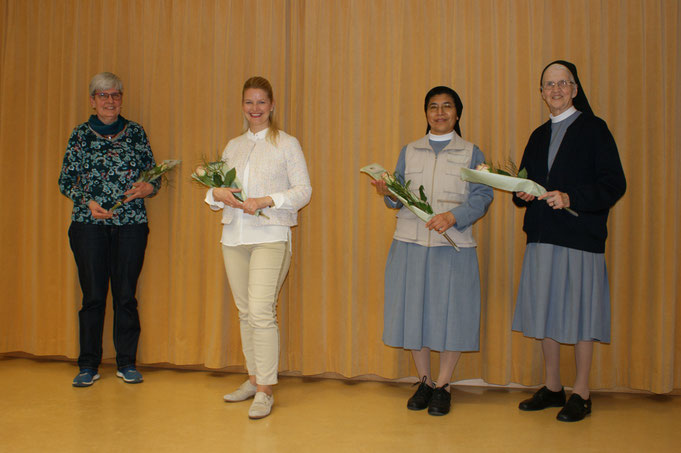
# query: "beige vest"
441 179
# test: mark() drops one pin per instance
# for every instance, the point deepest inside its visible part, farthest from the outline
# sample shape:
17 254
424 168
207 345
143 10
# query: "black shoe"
542 399
575 410
440 402
421 398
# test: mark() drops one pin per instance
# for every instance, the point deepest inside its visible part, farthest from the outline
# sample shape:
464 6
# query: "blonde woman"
257 249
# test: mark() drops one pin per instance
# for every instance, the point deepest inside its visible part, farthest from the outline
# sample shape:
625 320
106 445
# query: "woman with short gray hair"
104 158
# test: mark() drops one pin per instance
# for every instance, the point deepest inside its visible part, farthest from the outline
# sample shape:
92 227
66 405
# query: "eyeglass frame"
117 96
561 84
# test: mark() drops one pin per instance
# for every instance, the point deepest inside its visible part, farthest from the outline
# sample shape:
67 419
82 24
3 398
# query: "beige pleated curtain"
349 79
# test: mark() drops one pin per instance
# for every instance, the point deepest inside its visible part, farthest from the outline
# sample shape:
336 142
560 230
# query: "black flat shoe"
542 399
575 409
421 398
440 402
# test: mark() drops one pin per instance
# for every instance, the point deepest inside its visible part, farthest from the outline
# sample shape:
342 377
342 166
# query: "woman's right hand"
226 196
525 196
382 189
99 212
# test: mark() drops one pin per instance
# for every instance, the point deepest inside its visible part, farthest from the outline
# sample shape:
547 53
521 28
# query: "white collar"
441 138
258 135
563 116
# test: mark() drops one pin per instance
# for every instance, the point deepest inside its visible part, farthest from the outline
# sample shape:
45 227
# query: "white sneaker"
261 406
245 391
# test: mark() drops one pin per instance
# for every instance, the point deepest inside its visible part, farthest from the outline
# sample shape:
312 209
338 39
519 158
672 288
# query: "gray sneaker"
262 406
245 391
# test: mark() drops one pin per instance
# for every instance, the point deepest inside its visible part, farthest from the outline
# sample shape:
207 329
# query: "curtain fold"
349 79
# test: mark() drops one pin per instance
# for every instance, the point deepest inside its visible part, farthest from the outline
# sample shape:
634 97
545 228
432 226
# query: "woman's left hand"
441 222
139 190
556 199
253 204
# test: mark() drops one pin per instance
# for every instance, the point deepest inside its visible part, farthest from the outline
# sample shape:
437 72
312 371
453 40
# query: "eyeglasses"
562 84
114 96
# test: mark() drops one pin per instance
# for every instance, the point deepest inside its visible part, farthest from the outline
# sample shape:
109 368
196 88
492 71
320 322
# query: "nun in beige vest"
257 249
432 291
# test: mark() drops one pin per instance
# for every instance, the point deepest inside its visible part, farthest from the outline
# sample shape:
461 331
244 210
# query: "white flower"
200 171
483 167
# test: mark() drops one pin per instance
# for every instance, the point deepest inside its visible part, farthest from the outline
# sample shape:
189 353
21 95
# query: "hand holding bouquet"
418 205
150 175
507 178
219 174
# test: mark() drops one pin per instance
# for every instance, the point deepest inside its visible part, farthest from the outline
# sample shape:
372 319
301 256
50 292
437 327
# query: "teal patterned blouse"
101 169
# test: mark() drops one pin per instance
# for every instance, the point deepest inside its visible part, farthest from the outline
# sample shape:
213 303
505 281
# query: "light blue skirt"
432 298
563 295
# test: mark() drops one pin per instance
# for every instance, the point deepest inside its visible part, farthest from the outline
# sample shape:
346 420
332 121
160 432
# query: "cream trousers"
256 273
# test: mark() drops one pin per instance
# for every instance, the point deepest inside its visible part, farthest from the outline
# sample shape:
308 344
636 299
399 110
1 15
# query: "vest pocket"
449 204
413 170
453 185
407 225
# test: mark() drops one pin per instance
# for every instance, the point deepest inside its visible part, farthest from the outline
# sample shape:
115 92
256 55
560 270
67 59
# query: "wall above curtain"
349 79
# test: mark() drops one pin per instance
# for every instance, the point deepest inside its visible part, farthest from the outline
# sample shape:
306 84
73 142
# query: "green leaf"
217 180
503 172
425 207
422 193
229 177
522 173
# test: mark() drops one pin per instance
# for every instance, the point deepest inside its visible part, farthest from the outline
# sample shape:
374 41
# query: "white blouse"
243 229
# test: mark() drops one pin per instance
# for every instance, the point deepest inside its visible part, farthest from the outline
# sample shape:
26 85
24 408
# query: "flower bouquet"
219 174
151 175
506 178
418 205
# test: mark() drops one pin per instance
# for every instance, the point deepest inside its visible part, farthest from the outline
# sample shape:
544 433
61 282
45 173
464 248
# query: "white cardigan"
276 171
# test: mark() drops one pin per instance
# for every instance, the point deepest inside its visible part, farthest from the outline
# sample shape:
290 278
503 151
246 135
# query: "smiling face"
441 114
106 107
558 99
257 107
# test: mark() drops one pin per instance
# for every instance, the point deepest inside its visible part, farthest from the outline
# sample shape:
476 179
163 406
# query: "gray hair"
105 81
557 65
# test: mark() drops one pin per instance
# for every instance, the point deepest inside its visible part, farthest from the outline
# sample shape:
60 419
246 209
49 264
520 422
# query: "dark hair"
457 103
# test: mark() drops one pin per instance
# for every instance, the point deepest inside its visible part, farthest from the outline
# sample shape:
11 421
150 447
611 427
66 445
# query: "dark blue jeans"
108 253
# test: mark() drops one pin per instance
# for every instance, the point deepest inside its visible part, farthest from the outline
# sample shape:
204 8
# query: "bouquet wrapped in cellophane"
418 205
219 174
159 171
507 178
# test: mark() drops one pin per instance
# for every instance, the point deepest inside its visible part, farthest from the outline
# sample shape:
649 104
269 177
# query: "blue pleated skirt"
432 298
563 295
